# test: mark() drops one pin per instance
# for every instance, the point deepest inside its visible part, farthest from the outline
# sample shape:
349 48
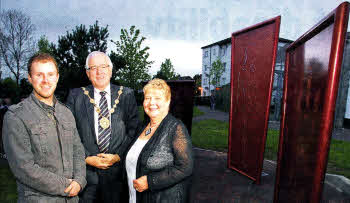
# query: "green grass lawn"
197 112
271 146
339 158
212 134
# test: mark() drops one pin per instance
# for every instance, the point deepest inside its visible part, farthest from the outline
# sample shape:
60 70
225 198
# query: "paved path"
214 182
210 114
338 134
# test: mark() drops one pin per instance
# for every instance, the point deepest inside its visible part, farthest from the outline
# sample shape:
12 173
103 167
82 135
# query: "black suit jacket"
124 123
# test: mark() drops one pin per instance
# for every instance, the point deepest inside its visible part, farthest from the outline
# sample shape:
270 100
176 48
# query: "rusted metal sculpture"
313 64
252 68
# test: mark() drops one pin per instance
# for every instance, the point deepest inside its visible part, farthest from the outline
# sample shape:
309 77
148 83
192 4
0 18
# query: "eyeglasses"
94 68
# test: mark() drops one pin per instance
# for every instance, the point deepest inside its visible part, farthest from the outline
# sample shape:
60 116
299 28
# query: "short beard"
40 96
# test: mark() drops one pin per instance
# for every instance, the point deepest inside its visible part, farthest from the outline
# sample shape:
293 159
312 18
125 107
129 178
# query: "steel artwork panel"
313 64
252 66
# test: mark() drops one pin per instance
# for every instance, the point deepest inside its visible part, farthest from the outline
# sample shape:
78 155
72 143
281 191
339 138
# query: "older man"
106 117
41 140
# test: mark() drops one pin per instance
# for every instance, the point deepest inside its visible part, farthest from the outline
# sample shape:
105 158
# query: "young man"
106 117
41 140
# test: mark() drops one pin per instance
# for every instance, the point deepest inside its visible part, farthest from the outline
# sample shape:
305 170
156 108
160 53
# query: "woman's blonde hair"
158 84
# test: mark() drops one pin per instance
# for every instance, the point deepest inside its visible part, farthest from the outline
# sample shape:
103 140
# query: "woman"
159 161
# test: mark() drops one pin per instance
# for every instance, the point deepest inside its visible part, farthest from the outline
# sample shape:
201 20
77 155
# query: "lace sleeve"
183 162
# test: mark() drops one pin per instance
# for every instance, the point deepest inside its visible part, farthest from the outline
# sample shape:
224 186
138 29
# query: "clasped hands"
102 160
140 184
73 188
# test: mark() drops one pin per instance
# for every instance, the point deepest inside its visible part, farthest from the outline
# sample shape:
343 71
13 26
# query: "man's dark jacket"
124 122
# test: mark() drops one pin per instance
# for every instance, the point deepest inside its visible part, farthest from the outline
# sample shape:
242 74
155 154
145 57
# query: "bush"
222 98
139 97
202 101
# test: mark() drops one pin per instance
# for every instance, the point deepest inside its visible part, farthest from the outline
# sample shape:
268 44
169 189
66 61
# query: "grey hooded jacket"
43 156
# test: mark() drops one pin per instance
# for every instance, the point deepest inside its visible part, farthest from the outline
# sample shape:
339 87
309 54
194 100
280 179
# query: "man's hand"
97 162
140 184
73 189
109 158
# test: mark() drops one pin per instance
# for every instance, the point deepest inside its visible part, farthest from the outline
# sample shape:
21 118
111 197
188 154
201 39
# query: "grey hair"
95 53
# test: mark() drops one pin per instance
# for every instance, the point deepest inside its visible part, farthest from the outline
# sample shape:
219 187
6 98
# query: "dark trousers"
106 191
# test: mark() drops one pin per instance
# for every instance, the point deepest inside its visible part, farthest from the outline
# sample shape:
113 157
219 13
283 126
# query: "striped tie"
103 134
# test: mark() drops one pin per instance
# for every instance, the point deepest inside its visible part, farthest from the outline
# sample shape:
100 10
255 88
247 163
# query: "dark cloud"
188 21
182 19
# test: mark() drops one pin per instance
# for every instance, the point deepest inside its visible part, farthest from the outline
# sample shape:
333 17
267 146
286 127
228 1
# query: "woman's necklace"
149 130
104 121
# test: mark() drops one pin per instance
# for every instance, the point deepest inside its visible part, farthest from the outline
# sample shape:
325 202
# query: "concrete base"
340 183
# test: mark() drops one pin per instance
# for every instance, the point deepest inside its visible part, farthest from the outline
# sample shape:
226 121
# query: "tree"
25 88
44 45
198 83
216 71
118 63
9 89
0 68
71 52
167 71
136 58
16 41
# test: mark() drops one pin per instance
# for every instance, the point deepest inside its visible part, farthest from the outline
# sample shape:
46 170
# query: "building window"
224 65
214 52
206 68
205 54
223 50
205 81
223 81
